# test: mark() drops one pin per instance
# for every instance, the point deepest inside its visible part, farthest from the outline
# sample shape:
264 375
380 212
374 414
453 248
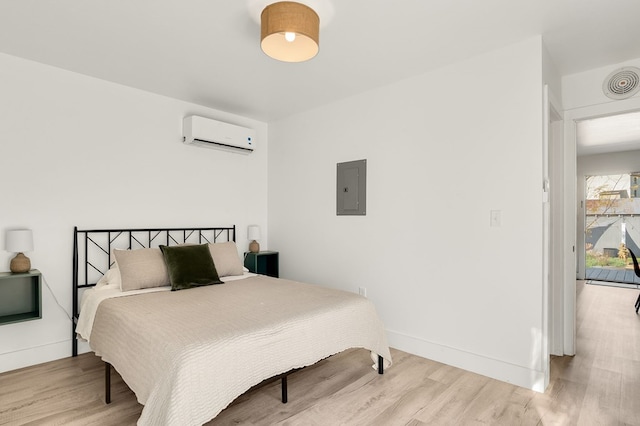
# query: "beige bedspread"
188 354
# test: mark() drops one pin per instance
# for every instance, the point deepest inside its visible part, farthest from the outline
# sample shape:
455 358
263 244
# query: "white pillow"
141 268
111 277
226 259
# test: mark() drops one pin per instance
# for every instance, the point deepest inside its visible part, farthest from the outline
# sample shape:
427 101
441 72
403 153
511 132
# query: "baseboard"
33 356
495 369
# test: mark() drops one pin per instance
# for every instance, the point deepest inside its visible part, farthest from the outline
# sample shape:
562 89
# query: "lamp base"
254 247
20 264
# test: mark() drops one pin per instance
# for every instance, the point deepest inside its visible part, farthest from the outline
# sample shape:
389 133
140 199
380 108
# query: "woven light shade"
290 31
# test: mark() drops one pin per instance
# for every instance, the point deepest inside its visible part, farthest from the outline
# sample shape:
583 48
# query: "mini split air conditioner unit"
210 133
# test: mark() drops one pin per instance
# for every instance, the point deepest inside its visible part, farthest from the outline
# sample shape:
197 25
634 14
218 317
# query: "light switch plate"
495 217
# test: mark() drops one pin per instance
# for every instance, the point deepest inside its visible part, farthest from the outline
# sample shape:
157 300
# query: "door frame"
553 230
571 211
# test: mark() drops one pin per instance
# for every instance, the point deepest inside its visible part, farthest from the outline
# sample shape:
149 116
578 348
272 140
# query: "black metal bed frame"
92 249
92 252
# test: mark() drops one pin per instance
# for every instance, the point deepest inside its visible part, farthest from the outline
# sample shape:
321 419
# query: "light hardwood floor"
599 386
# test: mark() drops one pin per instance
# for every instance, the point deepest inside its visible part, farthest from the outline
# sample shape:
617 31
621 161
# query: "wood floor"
599 386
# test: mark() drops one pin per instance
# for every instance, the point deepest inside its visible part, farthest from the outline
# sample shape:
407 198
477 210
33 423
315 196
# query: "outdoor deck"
612 275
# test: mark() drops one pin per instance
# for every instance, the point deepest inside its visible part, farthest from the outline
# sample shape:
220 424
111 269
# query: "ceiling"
207 51
613 133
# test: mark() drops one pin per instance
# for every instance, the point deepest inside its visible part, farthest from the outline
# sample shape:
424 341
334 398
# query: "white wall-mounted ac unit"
210 133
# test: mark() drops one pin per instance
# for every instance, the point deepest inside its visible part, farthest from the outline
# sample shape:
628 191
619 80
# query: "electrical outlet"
362 291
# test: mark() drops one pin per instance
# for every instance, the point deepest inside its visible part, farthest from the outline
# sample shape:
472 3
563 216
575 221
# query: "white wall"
75 150
551 76
607 164
443 149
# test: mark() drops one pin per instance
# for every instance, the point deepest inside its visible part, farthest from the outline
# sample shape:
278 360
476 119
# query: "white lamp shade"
19 240
254 232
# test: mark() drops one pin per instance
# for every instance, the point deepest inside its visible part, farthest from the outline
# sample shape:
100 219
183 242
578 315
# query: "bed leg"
283 383
107 383
380 365
74 337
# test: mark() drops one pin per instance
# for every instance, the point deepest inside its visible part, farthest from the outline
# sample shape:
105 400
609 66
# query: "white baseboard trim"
495 369
33 356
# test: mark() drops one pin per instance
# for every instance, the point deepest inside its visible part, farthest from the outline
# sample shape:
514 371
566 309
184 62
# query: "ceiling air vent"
622 83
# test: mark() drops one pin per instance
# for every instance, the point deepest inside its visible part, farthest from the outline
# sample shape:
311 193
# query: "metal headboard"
92 252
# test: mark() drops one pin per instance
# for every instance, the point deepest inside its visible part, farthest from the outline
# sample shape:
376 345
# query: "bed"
188 354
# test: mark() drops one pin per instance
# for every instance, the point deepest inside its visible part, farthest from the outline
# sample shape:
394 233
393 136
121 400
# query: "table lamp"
19 241
254 234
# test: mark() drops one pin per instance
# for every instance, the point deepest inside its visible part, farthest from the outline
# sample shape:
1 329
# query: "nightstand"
20 296
264 262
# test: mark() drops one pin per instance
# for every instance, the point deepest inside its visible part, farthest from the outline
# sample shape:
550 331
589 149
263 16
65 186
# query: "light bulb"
290 37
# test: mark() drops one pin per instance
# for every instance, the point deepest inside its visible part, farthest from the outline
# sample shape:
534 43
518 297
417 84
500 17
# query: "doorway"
600 161
611 226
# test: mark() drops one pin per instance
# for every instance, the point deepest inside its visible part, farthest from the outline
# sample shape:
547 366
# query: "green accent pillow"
190 266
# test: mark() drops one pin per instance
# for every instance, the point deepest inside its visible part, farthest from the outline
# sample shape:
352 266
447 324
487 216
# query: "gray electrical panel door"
351 188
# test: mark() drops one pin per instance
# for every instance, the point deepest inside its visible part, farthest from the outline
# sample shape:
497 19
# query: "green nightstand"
20 296
264 263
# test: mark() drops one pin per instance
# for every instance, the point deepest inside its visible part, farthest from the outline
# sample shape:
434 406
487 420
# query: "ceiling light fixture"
289 31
